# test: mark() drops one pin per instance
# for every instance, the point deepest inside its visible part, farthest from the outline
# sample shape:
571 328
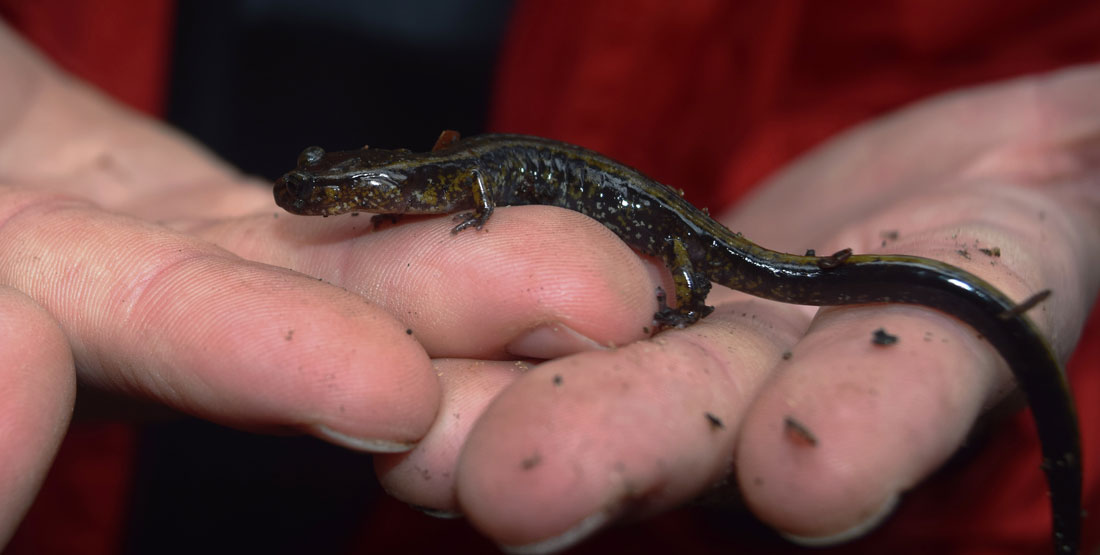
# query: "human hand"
114 268
583 439
210 333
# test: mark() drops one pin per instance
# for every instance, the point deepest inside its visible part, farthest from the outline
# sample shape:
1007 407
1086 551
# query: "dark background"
253 78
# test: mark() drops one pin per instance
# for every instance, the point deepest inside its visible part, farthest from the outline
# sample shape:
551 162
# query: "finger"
1018 238
849 424
536 282
1033 129
584 440
883 417
158 314
425 477
36 401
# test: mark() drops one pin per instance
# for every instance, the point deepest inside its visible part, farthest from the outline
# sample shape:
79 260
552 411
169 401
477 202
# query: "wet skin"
473 175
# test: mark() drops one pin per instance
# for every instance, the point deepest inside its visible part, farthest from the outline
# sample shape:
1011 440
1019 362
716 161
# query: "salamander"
472 176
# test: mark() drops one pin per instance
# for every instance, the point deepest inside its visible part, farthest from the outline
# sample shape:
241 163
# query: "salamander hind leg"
691 292
483 200
474 219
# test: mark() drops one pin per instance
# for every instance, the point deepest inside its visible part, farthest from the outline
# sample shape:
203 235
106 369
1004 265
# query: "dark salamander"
476 174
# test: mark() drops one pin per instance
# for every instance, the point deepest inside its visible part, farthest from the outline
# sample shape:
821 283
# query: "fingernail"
437 513
363 444
857 531
551 341
563 540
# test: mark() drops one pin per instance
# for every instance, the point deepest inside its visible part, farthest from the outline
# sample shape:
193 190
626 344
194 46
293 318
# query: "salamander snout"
294 183
292 188
289 190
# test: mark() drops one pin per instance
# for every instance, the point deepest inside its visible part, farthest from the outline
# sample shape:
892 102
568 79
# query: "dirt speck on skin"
881 337
531 462
715 422
798 433
425 473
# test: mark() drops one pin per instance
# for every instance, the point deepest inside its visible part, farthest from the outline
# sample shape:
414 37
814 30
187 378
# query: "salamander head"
339 182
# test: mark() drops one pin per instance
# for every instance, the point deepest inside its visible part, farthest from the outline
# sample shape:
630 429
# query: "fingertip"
522 478
263 348
588 438
848 423
565 540
355 376
549 341
806 479
510 289
36 403
425 476
859 530
368 445
39 360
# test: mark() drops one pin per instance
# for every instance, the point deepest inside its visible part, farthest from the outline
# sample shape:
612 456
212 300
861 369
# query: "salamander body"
474 175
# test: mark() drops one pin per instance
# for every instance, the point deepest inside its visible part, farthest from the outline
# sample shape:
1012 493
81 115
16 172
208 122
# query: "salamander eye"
310 156
294 184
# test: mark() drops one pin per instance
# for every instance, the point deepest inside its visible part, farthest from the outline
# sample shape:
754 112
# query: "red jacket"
645 81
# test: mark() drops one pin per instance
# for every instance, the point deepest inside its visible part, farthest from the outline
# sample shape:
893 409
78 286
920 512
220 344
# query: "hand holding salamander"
480 173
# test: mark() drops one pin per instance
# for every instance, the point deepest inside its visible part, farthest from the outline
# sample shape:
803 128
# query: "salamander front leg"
691 292
483 199
378 220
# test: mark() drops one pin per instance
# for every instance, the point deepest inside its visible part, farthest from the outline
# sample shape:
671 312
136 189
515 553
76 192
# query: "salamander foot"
679 317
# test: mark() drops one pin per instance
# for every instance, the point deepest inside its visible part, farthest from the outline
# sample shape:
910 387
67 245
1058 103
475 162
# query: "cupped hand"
821 429
156 271
134 261
113 271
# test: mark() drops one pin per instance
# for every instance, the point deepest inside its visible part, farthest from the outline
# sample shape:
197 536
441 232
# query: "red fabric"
712 96
120 46
708 94
82 506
